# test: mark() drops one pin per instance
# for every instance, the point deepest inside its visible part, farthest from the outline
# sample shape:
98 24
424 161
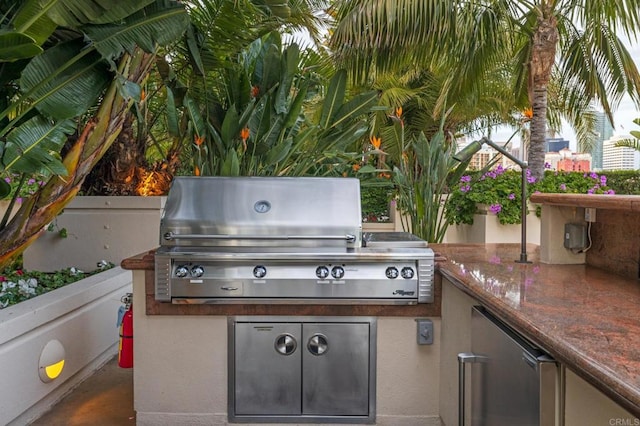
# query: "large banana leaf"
14 46
75 13
68 91
31 19
159 23
29 147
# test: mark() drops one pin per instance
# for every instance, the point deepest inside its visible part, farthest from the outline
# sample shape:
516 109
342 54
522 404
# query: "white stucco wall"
81 316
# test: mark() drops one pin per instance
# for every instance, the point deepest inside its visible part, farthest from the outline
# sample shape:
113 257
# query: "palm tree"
70 86
573 41
631 143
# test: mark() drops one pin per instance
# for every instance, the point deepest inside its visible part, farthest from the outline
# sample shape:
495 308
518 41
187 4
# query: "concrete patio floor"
104 399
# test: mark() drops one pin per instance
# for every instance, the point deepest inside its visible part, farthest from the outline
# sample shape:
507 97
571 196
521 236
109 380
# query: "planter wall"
81 316
98 228
487 229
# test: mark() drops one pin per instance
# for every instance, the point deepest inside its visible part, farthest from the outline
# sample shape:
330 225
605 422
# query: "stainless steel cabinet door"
505 384
335 369
267 368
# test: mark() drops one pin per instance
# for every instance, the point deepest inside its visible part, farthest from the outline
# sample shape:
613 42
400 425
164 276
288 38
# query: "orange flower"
143 95
244 134
356 167
255 91
198 140
384 175
196 171
397 116
376 142
528 113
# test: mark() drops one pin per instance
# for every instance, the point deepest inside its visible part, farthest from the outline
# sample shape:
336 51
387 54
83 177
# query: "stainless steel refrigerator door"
506 383
336 369
267 368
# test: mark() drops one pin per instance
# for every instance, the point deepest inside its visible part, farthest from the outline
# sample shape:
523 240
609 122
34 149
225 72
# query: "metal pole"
523 194
523 227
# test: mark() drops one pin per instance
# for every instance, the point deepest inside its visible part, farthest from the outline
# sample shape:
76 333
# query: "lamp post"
467 152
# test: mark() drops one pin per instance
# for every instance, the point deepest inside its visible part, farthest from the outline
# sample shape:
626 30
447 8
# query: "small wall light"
51 361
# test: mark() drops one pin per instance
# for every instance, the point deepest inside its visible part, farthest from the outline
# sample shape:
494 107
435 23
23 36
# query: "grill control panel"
343 280
322 272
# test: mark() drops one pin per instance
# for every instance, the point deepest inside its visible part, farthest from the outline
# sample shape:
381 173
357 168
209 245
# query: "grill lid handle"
171 236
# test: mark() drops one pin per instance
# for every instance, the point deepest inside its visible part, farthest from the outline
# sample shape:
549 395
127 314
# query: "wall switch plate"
425 331
590 214
575 236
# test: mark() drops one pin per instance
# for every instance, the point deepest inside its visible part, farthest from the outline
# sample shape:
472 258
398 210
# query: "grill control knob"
197 271
391 272
407 273
337 272
182 271
322 272
259 271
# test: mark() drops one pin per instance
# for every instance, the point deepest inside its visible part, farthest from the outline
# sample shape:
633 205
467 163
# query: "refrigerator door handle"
530 359
464 358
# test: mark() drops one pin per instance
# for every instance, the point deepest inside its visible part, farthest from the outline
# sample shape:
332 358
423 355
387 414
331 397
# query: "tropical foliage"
262 128
631 143
193 77
66 93
422 180
564 51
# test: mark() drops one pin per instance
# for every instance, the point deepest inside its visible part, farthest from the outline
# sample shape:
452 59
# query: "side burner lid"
262 211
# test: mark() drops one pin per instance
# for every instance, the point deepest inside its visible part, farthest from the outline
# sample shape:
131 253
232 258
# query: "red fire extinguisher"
125 347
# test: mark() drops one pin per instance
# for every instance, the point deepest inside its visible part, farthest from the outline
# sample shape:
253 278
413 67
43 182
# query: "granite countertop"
586 318
603 201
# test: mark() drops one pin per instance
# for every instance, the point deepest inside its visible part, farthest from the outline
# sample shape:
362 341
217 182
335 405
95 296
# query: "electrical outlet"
590 214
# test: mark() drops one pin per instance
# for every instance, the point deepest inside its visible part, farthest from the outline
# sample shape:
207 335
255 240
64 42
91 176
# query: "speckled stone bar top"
586 318
601 201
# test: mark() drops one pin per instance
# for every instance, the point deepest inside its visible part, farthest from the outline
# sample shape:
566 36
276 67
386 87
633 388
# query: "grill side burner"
282 240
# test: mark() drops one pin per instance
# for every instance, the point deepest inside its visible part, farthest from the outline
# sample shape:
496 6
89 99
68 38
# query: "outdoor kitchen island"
266 303
585 317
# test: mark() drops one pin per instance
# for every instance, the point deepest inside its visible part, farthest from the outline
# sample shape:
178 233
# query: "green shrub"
375 198
624 181
500 191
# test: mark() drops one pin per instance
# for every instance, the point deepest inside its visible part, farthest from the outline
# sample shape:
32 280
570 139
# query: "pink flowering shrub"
500 191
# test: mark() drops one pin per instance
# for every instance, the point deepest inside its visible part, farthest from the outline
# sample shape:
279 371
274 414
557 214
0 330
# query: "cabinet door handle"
318 344
464 358
285 344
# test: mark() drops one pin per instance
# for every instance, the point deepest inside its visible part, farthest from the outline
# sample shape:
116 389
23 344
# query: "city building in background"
604 131
487 154
619 157
555 144
568 161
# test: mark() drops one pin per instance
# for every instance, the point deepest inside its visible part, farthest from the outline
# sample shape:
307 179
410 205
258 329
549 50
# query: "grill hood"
262 211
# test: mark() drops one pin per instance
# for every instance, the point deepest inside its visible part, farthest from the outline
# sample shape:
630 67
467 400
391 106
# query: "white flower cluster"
25 288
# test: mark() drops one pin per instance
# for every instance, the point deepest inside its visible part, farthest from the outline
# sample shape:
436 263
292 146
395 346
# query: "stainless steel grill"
282 240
